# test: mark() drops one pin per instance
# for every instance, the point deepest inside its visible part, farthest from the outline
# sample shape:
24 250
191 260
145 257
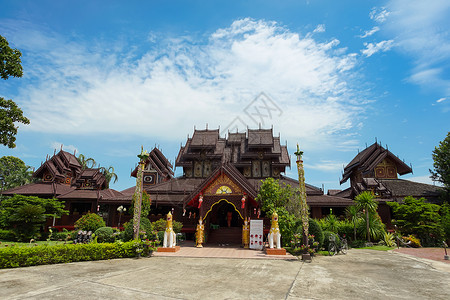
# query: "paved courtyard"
360 274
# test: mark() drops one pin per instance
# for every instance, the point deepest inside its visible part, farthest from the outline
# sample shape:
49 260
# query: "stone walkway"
361 274
215 251
428 253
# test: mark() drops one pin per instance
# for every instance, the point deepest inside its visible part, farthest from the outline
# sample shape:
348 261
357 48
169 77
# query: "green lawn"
19 244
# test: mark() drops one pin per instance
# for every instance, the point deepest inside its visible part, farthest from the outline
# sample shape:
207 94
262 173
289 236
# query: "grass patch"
323 253
5 244
378 248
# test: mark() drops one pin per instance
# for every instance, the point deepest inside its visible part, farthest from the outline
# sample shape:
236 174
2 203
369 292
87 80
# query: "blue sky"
105 77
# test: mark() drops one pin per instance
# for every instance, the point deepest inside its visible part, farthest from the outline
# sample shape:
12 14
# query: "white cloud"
89 88
424 179
60 146
370 32
421 30
441 100
327 166
319 28
372 48
379 14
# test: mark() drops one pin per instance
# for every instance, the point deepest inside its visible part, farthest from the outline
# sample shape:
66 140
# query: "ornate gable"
220 184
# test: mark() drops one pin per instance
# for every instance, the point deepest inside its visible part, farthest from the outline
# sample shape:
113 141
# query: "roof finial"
207 126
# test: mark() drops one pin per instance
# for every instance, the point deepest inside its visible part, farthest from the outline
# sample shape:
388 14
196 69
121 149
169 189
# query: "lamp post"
137 197
303 205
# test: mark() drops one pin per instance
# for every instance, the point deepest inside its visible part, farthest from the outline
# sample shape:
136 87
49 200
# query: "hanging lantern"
200 201
243 202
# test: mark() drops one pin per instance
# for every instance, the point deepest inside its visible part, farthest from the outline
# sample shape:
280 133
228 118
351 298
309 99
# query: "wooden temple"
220 181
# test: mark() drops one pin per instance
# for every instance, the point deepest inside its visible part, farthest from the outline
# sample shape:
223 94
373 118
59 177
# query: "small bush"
316 230
326 239
357 243
105 235
13 257
60 236
161 224
146 226
90 222
415 242
388 239
7 235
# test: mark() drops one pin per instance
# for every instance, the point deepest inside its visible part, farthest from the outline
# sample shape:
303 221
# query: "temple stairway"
225 235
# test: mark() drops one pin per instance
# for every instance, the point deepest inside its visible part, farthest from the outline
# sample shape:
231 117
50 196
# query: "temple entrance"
225 224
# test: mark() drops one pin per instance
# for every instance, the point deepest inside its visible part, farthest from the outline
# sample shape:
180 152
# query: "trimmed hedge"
13 257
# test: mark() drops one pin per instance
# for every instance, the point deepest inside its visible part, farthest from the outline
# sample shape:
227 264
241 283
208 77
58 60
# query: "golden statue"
199 234
246 233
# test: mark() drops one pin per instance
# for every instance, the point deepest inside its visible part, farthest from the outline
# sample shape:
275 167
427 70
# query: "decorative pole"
137 197
303 205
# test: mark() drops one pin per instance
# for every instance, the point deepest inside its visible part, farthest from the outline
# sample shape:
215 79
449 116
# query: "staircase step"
228 235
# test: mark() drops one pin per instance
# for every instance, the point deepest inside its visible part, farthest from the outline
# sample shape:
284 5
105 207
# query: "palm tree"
86 162
365 203
109 174
353 213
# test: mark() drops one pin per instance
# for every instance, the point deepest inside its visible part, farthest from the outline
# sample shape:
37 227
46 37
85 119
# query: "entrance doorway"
225 224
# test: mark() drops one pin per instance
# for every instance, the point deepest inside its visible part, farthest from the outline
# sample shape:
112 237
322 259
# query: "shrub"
420 218
358 243
7 235
90 222
415 242
315 230
64 235
161 224
105 235
345 229
388 239
376 227
146 226
445 221
326 239
13 257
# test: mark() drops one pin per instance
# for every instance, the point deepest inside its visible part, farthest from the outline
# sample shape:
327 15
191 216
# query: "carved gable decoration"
220 183
386 169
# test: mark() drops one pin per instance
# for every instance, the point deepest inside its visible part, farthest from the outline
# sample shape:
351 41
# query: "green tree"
365 203
417 217
109 174
22 213
27 220
14 172
441 165
86 162
276 198
10 113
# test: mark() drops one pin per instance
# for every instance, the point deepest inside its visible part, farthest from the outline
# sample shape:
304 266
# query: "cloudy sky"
103 78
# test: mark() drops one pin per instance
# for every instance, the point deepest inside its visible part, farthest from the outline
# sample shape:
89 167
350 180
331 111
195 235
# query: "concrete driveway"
361 274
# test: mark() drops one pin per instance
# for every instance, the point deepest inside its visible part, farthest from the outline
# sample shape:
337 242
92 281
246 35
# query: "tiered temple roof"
375 169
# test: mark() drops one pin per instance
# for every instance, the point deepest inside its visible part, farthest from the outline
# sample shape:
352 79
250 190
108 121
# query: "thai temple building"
220 181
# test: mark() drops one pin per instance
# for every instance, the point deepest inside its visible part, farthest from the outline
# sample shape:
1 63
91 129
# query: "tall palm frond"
365 202
109 174
86 162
